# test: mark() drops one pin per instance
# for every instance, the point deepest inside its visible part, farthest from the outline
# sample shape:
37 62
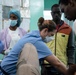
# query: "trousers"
28 62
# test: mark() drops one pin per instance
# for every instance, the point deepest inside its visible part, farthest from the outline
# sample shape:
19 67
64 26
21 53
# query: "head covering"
17 13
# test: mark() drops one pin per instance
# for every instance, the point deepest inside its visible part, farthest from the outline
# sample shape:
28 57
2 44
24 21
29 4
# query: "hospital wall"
37 8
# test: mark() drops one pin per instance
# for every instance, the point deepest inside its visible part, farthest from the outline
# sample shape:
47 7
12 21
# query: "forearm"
53 60
71 48
70 55
61 67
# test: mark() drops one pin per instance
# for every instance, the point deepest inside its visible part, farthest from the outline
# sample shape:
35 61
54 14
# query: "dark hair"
65 2
55 5
46 24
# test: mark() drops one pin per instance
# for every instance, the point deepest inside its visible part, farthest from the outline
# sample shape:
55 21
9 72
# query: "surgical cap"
17 13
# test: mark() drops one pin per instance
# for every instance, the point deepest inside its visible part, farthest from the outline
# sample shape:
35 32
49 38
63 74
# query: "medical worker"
9 36
27 49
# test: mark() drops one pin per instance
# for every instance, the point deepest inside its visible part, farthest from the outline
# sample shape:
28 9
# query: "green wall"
1 56
49 3
36 11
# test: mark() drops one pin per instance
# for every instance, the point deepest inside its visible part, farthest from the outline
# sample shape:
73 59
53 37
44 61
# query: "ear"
72 3
46 30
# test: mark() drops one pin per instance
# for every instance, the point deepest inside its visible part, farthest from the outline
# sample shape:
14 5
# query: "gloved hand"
6 52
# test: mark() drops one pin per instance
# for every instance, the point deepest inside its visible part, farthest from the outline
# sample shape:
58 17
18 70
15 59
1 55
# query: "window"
5 12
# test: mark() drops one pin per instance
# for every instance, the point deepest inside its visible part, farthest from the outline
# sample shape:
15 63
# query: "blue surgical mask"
13 22
48 39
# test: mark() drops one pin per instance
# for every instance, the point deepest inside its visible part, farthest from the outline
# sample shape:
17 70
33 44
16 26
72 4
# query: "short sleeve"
42 49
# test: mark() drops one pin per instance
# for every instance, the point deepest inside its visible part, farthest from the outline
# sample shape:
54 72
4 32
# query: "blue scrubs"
10 61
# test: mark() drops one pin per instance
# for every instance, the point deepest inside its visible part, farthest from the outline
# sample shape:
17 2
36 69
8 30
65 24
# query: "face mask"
13 22
48 39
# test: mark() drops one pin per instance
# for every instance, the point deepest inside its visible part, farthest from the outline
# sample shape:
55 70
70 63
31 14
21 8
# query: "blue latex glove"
1 46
